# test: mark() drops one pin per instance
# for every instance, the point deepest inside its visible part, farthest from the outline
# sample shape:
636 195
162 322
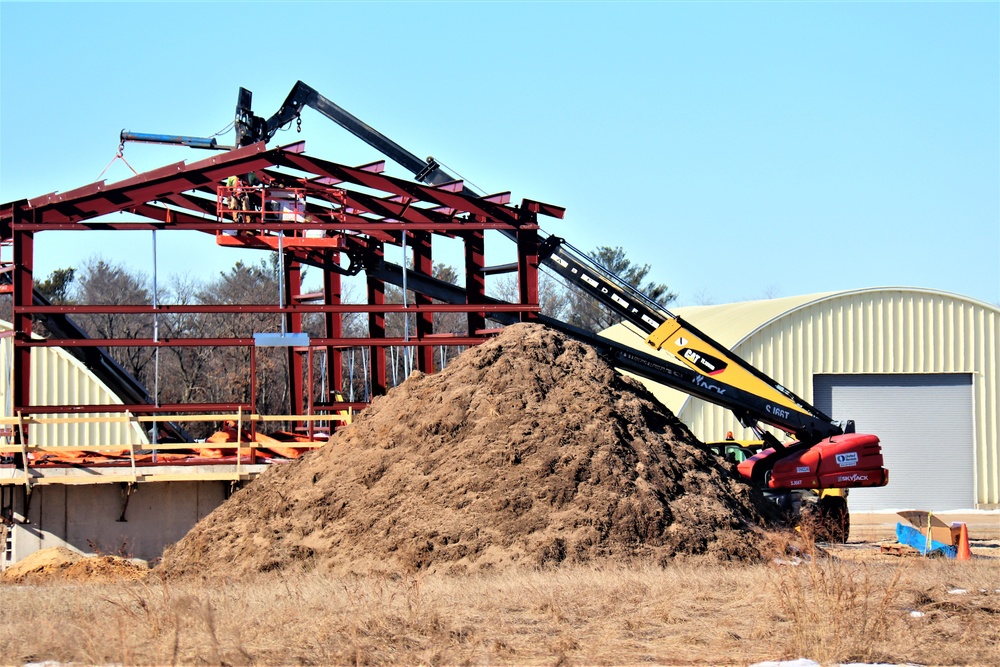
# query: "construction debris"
930 536
528 450
897 549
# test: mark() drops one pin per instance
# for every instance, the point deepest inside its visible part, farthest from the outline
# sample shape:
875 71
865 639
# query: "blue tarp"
911 536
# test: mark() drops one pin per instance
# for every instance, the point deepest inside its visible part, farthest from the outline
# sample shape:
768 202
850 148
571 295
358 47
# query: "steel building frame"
351 211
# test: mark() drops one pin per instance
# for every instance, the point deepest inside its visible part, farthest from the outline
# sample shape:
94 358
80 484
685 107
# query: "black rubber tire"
835 520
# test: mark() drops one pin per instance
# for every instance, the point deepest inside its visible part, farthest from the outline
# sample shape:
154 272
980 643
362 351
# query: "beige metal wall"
85 518
57 378
885 330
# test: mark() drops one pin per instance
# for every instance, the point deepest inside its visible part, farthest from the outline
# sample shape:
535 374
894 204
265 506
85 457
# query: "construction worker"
255 186
235 199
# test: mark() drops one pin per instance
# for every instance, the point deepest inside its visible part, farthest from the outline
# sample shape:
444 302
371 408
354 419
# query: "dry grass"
687 613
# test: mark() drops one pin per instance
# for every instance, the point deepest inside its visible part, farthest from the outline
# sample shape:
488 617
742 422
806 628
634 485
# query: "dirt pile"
526 450
62 563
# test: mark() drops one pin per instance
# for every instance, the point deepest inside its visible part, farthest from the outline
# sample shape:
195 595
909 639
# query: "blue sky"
743 150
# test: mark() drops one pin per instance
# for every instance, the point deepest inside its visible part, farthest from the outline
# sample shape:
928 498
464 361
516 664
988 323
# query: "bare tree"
101 283
453 323
553 297
229 367
770 291
222 373
401 361
703 298
185 366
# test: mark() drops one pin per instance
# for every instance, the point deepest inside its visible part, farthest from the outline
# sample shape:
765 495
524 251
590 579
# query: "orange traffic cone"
964 553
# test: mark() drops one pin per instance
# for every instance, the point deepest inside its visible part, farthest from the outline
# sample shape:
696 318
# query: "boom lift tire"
828 518
835 518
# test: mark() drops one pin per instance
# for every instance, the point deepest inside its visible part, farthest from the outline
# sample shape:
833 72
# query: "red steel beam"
423 263
203 225
373 341
23 256
527 269
98 199
376 331
475 281
293 308
333 328
166 197
293 320
397 186
334 406
137 408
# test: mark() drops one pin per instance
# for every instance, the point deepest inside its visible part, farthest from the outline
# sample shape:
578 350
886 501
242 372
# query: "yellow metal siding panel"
57 378
987 406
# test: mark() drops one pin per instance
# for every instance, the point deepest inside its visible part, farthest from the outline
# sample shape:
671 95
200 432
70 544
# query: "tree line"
222 374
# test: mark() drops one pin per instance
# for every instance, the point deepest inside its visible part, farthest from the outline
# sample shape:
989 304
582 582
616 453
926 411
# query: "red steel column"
334 329
376 329
293 290
527 269
475 281
23 256
424 265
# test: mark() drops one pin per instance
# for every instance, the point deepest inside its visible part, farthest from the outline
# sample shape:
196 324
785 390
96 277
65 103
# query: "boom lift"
825 454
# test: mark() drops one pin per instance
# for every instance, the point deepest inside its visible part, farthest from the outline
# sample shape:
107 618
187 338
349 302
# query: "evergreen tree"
588 313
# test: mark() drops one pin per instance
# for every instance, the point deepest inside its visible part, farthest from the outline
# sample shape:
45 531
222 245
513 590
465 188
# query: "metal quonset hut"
919 368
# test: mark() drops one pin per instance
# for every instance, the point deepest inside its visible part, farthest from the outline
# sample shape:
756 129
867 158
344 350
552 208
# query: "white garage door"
925 425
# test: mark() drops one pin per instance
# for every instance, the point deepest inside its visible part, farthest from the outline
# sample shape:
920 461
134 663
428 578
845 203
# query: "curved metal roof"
732 323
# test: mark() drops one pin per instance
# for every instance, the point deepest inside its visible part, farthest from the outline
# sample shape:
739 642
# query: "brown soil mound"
62 563
528 449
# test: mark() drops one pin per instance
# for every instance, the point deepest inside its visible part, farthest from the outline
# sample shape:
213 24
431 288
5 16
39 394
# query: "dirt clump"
60 563
526 450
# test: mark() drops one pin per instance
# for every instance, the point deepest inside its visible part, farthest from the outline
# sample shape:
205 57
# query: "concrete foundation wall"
85 518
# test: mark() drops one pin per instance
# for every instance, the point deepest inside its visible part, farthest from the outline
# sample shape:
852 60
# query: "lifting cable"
120 155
